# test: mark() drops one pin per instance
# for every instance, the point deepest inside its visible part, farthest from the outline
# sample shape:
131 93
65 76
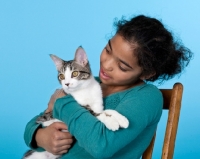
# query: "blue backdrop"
31 30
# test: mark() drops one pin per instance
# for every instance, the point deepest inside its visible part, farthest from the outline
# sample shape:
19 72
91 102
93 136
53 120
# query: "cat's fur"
76 79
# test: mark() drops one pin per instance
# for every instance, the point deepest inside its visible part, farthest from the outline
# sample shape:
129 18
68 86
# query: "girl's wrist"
38 138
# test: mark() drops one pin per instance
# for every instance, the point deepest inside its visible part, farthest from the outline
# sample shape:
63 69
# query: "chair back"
172 103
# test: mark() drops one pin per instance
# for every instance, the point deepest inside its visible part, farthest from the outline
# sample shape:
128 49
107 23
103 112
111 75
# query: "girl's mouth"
104 75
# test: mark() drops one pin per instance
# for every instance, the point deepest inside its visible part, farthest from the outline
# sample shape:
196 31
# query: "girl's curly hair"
157 51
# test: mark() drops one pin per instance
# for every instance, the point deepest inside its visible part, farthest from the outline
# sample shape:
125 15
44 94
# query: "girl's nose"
108 64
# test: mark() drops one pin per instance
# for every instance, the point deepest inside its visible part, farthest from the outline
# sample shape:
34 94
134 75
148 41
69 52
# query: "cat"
76 79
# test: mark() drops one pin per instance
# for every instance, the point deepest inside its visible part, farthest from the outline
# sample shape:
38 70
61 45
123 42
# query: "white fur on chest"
89 93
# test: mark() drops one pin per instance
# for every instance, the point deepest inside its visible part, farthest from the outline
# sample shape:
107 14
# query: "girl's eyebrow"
125 64
109 44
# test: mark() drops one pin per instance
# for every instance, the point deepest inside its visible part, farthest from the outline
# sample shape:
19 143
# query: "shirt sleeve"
142 109
29 133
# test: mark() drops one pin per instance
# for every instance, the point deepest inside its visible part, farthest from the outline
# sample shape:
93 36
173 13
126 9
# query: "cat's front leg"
96 107
113 120
122 120
108 121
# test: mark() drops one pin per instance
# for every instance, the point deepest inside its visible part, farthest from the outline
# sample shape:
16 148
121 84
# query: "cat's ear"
81 57
57 61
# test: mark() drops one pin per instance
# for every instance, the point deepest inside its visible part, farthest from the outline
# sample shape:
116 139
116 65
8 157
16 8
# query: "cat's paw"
110 122
122 120
113 120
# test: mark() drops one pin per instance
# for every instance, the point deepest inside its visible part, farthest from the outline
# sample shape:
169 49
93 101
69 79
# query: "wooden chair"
172 102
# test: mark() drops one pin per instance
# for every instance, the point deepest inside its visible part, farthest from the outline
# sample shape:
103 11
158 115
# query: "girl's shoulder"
143 91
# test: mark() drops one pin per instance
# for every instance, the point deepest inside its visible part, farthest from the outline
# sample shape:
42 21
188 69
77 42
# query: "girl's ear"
81 57
57 61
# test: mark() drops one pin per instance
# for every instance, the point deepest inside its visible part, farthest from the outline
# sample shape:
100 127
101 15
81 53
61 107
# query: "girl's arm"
30 131
50 138
141 110
57 94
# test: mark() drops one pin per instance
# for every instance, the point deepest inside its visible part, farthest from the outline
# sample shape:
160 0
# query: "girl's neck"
110 89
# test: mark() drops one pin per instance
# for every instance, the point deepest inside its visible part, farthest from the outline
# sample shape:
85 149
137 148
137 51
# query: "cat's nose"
67 84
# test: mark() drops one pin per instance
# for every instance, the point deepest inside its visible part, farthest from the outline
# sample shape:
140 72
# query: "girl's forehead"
119 43
123 50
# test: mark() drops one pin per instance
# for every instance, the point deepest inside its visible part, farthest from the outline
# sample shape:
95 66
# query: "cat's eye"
75 74
61 76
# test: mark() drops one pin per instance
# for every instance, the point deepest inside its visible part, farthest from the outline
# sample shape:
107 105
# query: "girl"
142 50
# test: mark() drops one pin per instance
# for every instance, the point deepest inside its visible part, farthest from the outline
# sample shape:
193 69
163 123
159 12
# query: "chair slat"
172 102
172 124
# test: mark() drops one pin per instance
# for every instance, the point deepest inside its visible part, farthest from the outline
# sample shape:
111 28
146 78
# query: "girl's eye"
121 68
75 74
107 50
61 76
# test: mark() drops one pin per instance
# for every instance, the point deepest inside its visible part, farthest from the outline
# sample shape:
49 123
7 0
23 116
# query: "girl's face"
118 65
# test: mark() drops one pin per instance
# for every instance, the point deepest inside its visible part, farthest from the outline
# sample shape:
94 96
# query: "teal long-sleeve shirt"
142 105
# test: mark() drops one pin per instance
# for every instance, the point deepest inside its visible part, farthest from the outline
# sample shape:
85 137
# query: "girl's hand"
57 94
52 139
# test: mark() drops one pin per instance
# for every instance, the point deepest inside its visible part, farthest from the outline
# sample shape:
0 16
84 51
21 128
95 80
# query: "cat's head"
71 74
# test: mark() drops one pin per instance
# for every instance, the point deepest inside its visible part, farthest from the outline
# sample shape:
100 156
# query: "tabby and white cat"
76 79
